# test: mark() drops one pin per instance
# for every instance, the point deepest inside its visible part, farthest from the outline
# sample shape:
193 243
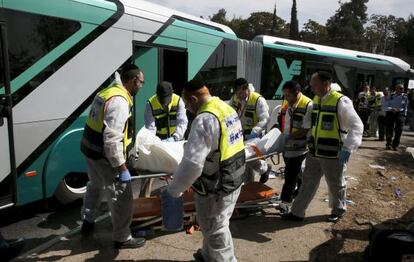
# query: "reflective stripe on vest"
250 114
296 123
374 102
92 140
166 122
325 141
230 157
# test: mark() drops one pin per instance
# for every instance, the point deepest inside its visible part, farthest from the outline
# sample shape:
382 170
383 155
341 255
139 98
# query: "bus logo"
287 73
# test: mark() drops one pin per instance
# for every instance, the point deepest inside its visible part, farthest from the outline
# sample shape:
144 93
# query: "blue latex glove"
252 135
170 139
124 177
344 156
172 212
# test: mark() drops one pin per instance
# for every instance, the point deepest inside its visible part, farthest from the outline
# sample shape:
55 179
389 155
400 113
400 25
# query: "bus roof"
334 51
162 14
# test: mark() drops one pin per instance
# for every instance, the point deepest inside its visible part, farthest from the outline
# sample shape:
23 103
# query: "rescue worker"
295 122
336 133
374 104
396 108
252 109
213 164
362 107
253 112
165 114
107 140
381 114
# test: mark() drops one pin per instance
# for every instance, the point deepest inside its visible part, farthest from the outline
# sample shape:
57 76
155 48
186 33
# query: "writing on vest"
325 140
250 112
224 169
296 123
165 121
92 140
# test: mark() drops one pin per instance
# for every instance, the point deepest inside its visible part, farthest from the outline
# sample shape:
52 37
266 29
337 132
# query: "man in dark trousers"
295 121
396 108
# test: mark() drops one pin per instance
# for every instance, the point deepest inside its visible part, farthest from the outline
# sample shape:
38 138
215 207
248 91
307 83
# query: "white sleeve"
116 114
262 109
350 122
307 120
203 138
182 121
149 119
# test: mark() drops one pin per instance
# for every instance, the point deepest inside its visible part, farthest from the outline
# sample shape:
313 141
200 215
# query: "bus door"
364 78
8 175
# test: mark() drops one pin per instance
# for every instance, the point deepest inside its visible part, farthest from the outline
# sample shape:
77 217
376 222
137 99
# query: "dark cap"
164 92
195 84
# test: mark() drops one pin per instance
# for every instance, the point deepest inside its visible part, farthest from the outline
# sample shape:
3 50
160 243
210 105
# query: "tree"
346 27
294 23
314 32
381 33
274 21
262 23
404 32
220 17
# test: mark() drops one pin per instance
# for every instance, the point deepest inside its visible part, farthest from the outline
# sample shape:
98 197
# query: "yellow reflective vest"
92 140
230 155
325 140
165 121
250 114
296 123
374 101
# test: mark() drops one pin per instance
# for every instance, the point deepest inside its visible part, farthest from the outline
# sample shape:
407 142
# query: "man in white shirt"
295 120
336 132
107 140
253 112
213 165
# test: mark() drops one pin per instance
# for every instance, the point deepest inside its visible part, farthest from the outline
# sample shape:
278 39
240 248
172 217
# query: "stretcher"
147 211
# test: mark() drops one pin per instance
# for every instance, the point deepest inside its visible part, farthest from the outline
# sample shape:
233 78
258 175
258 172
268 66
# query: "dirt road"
265 237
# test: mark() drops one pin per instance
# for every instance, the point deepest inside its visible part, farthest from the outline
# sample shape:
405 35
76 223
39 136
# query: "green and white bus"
285 59
57 54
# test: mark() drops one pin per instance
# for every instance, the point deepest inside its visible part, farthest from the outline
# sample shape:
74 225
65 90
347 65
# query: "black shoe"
291 217
334 218
387 148
87 227
13 250
198 256
132 243
381 139
265 176
394 148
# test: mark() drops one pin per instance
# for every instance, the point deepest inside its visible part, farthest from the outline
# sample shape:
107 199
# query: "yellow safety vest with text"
92 140
230 157
250 114
166 122
296 123
325 141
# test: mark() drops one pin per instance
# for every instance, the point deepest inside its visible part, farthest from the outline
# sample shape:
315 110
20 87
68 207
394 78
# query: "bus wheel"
71 188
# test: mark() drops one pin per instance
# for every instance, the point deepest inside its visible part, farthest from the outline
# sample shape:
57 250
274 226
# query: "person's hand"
170 139
124 176
344 156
